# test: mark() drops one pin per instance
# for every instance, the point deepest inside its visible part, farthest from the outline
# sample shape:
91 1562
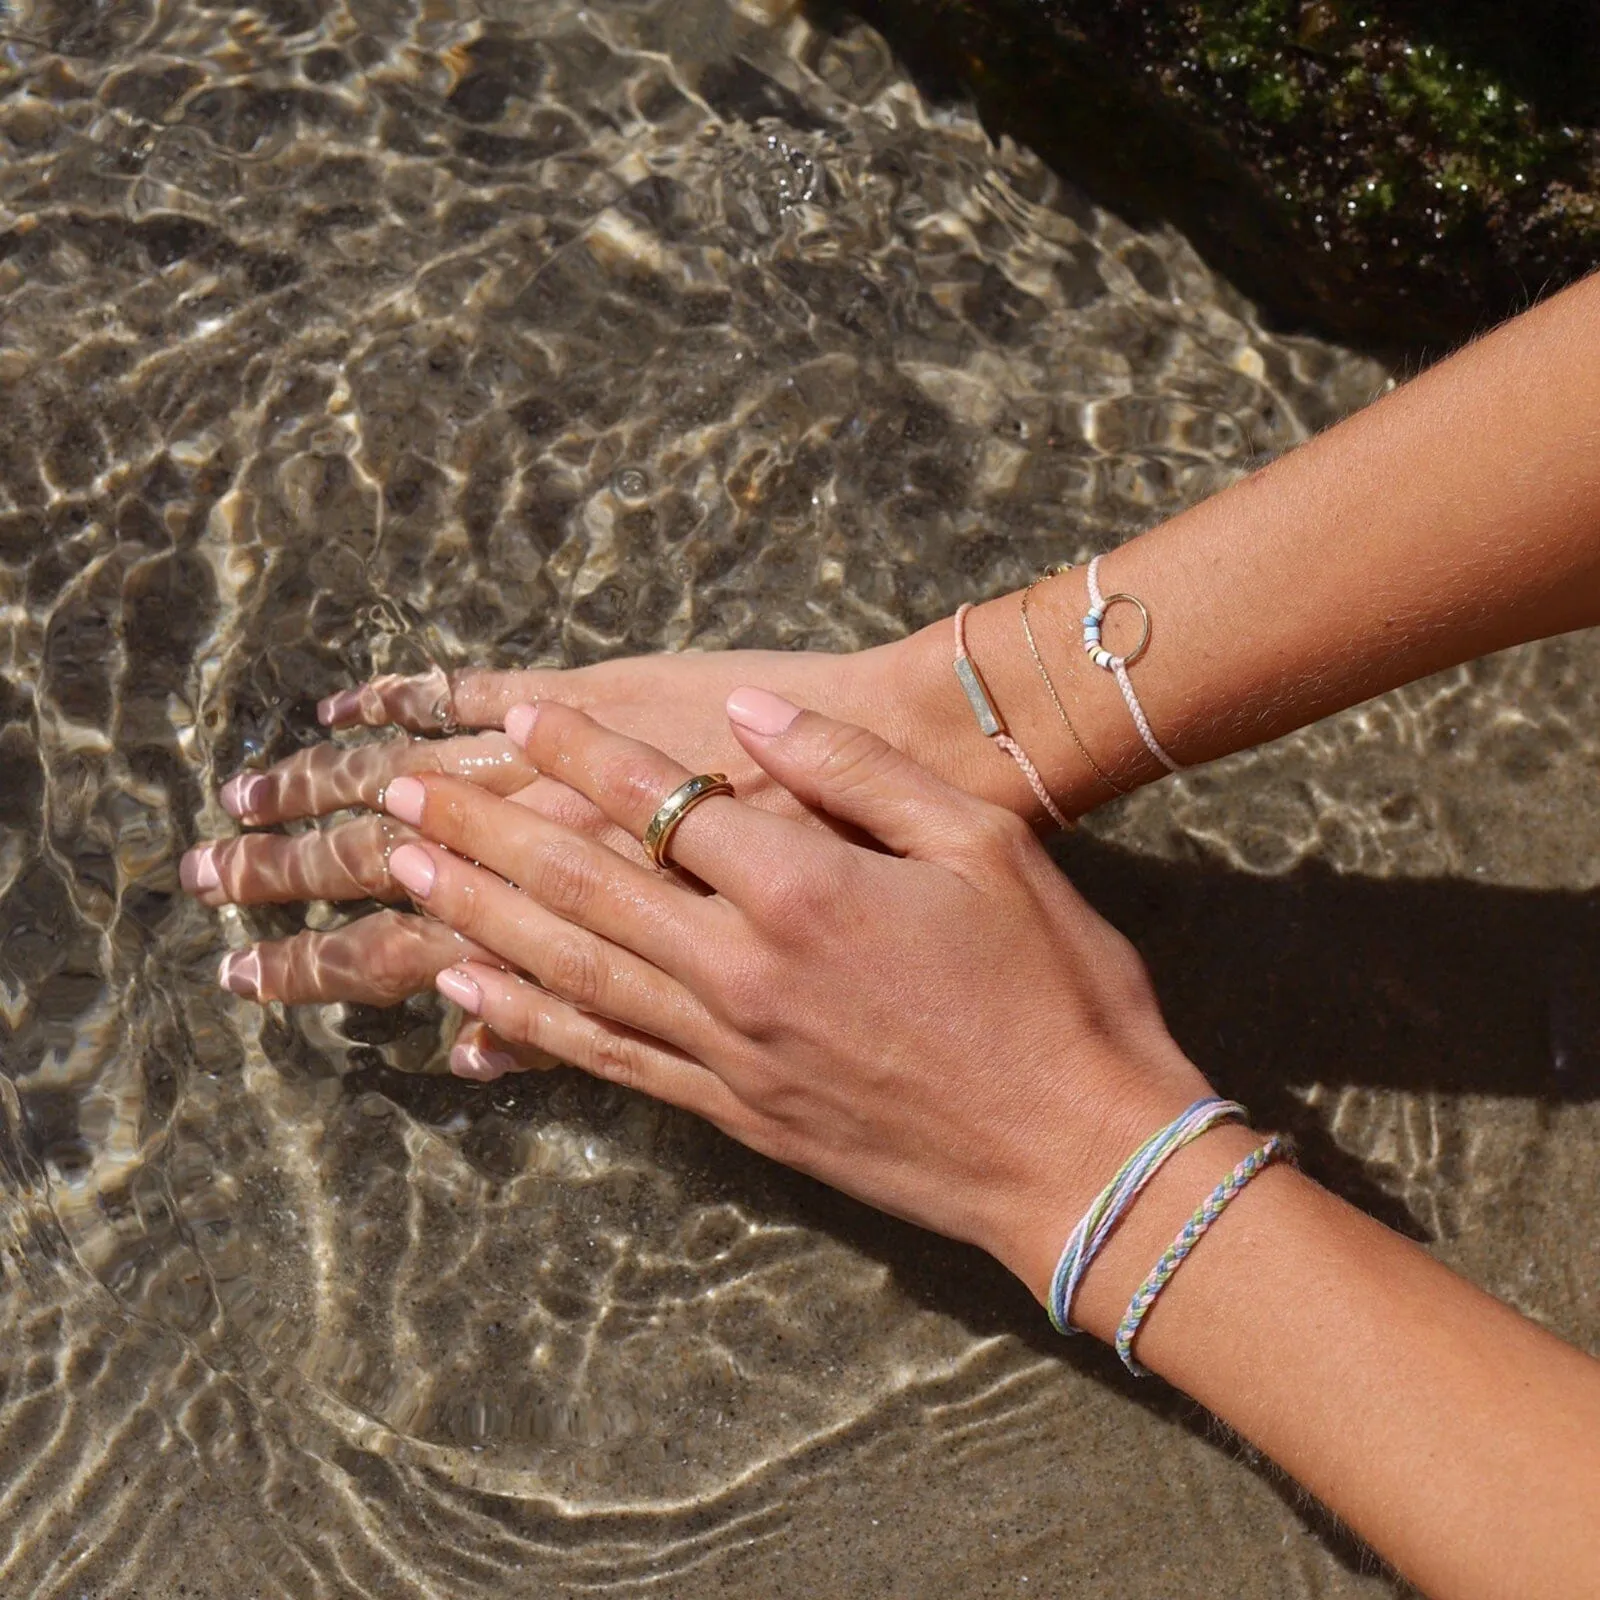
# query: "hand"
940 1027
905 691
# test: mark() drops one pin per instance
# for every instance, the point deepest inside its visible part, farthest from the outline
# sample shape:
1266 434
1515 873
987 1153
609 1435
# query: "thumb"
848 772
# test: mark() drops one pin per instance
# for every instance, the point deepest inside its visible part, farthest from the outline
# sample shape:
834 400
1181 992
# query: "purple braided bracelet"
1277 1148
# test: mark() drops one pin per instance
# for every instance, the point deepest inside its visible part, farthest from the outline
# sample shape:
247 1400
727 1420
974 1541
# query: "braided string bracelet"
1118 666
1112 1203
990 725
1277 1148
1049 683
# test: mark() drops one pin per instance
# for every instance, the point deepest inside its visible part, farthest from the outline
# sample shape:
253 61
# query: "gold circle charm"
1095 619
678 805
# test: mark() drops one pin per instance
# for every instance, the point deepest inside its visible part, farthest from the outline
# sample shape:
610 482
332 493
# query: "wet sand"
358 337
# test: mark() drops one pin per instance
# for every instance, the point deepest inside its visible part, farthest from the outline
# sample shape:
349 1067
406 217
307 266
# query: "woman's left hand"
931 1020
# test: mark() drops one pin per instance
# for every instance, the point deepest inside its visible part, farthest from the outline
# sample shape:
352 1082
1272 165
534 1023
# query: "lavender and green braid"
1277 1148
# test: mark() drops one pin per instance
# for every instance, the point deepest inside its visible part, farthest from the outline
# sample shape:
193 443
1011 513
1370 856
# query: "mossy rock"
1395 174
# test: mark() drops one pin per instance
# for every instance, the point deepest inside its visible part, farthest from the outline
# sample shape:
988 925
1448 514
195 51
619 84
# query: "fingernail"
458 988
520 721
240 973
243 793
471 1061
197 871
338 707
413 869
761 712
404 799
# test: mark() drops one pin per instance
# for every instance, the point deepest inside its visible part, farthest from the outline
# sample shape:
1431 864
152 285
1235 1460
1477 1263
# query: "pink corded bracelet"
1118 666
992 727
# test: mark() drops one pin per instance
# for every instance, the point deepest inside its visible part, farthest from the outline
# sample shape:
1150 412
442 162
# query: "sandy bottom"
360 336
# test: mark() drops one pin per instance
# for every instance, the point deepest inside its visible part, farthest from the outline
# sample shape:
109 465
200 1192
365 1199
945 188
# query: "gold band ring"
678 805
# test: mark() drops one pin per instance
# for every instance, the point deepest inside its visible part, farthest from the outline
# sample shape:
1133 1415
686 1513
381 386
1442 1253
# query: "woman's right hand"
935 1022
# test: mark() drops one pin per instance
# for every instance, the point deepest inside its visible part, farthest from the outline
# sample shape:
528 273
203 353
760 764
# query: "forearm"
1456 1437
1457 516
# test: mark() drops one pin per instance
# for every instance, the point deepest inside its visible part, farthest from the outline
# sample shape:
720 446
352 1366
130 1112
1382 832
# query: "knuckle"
748 991
618 1058
520 1017
362 853
852 755
798 898
373 701
516 1018
391 963
230 858
447 812
997 834
634 781
564 878
572 810
364 773
394 959
571 969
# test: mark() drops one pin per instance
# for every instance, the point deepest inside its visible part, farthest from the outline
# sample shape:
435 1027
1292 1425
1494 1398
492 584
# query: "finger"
572 962
722 841
578 879
853 775
555 802
481 1054
437 700
347 862
376 961
522 1012
328 777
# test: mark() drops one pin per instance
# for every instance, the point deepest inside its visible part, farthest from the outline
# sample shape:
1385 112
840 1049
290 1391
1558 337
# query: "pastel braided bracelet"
1276 1148
1112 1203
1118 666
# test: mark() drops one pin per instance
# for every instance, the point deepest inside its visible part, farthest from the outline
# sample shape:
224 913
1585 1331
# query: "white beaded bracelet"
1118 666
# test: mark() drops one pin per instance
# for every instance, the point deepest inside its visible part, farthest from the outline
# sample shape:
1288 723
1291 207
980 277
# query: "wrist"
1078 1146
1151 1225
917 704
1066 712
1086 757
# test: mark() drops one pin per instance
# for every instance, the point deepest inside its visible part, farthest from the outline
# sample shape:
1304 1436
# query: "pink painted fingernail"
243 793
240 973
520 721
413 869
472 1061
338 707
404 798
197 871
458 988
761 712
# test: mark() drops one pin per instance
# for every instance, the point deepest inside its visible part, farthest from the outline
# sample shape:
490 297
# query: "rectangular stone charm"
989 722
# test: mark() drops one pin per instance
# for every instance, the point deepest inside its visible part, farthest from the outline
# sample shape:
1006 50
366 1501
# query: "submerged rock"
1390 173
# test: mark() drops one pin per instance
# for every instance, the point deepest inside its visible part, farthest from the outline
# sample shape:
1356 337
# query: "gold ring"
675 808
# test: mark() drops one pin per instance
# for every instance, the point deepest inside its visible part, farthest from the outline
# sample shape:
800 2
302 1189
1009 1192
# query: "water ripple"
368 336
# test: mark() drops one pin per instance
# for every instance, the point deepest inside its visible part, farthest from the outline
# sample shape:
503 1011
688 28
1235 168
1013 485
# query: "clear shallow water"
350 338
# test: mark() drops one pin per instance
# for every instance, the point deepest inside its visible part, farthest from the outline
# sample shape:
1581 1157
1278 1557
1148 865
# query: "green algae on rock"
1392 173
